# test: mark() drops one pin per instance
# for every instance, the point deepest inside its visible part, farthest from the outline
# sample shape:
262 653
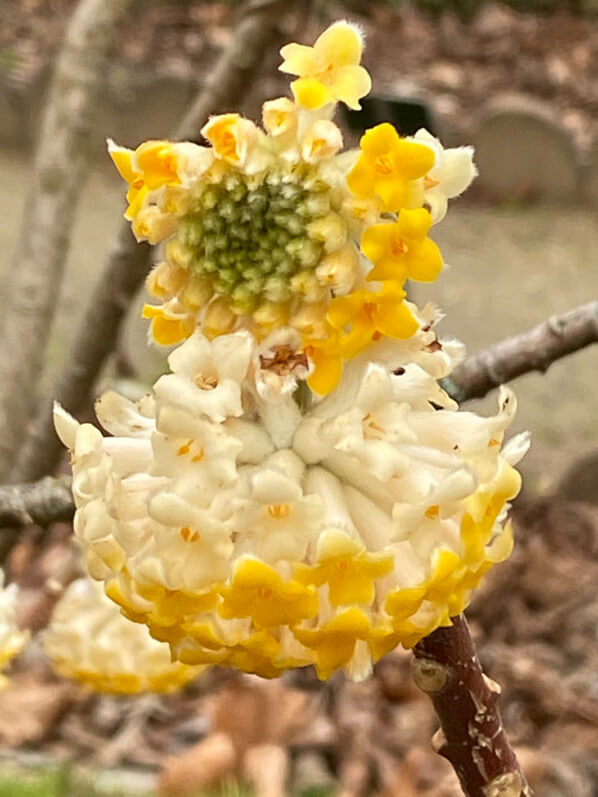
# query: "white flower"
451 174
12 640
89 640
206 376
277 521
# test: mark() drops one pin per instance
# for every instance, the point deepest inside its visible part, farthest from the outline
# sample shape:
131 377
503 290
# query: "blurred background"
519 81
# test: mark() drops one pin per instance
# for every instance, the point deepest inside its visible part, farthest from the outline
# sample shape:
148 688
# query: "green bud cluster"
250 241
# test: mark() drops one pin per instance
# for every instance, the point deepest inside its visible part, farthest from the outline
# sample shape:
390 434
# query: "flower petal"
311 93
341 44
298 59
351 84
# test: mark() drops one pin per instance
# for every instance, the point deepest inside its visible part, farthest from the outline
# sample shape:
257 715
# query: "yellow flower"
165 280
322 141
370 316
328 71
157 161
280 117
151 225
219 318
334 642
387 167
325 355
257 591
401 250
231 137
168 327
152 165
347 568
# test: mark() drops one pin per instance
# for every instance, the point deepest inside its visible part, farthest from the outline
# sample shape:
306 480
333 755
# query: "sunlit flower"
329 71
90 641
12 640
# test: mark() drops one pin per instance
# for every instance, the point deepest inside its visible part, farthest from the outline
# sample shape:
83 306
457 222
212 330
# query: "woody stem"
471 735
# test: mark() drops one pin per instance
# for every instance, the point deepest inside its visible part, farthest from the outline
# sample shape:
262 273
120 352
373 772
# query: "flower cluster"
244 531
90 641
276 227
298 488
12 640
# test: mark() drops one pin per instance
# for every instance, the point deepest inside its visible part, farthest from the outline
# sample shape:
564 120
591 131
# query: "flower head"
89 640
264 228
244 530
298 488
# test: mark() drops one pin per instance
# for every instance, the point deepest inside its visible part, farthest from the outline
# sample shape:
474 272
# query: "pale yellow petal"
351 84
341 44
298 59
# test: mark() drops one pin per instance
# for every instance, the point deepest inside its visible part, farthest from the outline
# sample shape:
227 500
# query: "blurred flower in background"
12 640
90 641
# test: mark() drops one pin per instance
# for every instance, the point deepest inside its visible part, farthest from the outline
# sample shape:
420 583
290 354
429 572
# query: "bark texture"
533 350
471 734
128 262
46 501
60 163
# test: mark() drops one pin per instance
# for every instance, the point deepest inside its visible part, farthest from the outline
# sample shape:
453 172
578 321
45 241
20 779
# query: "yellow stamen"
189 535
279 511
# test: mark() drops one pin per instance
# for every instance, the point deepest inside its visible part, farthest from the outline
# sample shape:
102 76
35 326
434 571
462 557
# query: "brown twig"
533 350
471 734
60 162
44 502
128 262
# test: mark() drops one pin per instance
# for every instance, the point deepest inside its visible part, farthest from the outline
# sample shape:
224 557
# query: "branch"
60 164
534 350
44 502
471 734
128 262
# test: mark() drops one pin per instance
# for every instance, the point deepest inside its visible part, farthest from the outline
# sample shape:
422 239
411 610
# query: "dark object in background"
406 114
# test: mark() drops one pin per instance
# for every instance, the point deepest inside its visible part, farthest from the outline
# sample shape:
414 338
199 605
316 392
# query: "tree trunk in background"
35 275
128 262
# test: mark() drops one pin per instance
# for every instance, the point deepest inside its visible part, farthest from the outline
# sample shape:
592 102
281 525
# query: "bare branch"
46 501
534 350
471 734
128 262
61 158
